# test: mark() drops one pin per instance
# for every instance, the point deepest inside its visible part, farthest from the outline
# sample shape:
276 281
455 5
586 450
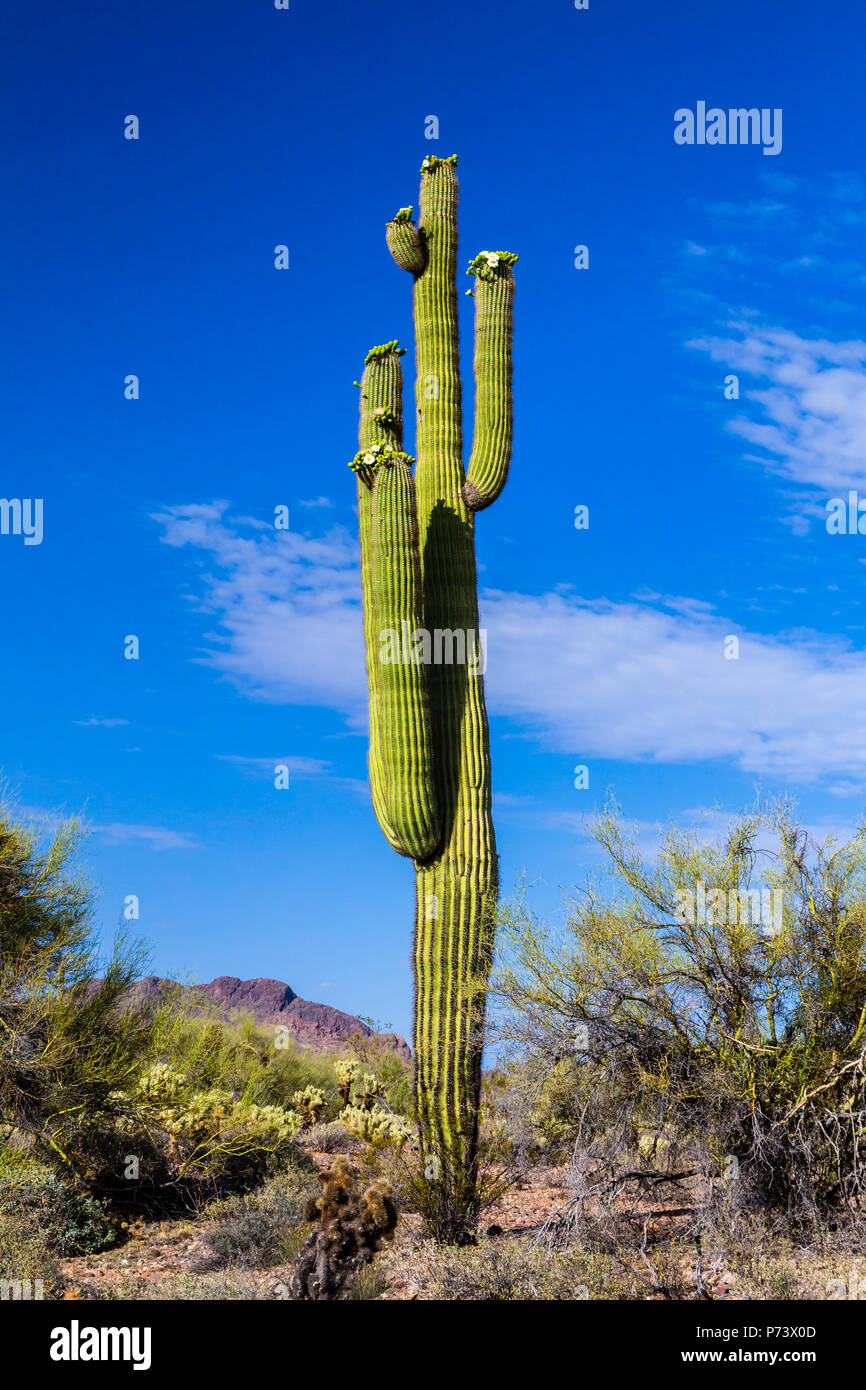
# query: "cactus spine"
429 755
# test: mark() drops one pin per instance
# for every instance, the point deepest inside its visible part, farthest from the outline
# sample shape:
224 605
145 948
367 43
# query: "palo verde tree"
429 743
708 1003
69 1039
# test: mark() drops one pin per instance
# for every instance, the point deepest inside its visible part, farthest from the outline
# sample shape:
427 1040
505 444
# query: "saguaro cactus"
429 755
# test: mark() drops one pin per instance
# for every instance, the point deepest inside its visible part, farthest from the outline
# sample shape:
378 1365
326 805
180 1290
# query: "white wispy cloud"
93 722
154 836
802 404
645 680
158 837
635 682
288 607
809 396
302 767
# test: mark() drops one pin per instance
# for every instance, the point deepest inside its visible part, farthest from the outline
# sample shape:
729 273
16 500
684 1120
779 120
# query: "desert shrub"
213 1286
282 1198
506 1270
249 1238
678 1024
25 1254
369 1284
766 1267
331 1138
71 1222
393 1074
398 1165
247 1057
261 1228
125 1162
67 1047
175 1147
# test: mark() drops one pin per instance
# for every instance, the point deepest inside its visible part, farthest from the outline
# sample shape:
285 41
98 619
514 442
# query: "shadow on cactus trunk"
429 755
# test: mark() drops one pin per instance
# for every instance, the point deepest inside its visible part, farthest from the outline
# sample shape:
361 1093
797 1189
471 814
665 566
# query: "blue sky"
155 257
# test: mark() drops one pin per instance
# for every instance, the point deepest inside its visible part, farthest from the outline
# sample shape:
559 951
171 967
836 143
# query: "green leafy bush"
69 1040
41 1205
246 1057
678 1022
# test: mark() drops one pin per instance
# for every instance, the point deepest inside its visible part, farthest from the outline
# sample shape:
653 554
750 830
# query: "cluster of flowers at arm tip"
487 264
378 456
432 160
384 349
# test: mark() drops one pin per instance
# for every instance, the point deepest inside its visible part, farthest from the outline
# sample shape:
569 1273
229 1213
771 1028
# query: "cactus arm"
405 743
400 757
492 437
439 426
381 394
406 242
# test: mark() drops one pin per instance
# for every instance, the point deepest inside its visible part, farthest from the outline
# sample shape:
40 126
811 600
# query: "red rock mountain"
316 1026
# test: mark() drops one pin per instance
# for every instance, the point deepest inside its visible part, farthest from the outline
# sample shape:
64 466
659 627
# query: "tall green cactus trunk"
429 741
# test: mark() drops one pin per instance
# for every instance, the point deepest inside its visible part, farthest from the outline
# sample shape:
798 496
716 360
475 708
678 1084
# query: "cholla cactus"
309 1103
347 1071
271 1121
368 1091
162 1085
209 1130
429 755
373 1126
352 1226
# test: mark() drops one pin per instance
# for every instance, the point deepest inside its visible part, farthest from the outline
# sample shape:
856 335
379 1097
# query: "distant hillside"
315 1026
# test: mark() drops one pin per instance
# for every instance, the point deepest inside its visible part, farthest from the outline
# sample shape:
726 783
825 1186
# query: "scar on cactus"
352 1227
429 758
